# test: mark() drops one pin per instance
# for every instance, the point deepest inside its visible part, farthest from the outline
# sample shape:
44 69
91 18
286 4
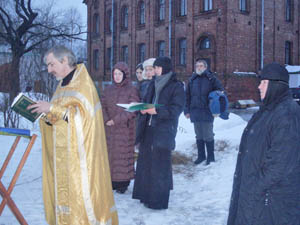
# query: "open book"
20 104
136 106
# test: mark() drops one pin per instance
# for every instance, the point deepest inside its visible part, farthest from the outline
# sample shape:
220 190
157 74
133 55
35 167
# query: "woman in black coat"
266 187
157 128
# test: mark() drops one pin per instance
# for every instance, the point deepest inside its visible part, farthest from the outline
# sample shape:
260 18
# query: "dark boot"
210 146
201 152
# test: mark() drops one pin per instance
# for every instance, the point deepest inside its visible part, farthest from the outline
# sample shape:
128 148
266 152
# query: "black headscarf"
275 91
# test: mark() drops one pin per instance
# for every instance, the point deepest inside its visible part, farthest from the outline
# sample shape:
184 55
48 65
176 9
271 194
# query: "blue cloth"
218 104
14 131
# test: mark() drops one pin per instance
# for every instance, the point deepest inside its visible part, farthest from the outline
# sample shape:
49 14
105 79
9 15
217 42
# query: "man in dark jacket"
266 187
157 128
199 86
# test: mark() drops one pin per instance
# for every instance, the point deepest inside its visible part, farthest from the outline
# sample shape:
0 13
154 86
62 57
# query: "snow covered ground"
200 197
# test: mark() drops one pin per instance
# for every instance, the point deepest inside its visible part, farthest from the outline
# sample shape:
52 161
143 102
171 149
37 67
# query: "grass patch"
180 158
182 164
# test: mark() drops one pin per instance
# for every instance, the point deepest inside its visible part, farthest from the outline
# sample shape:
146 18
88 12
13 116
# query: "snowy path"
200 197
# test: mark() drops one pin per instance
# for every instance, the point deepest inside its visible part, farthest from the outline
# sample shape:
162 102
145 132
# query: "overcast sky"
61 4
74 3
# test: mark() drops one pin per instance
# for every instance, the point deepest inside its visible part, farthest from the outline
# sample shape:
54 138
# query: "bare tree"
25 29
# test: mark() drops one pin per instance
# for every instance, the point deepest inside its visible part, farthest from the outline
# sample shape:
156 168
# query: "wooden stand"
5 193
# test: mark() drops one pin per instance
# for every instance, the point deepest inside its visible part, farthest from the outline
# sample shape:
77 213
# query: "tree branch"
18 10
8 27
29 7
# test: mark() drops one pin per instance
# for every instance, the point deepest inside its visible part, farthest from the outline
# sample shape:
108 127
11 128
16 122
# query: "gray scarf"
160 82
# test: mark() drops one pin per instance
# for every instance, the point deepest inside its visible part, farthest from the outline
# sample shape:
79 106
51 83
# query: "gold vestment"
76 177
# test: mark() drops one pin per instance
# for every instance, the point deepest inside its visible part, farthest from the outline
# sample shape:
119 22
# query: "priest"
76 176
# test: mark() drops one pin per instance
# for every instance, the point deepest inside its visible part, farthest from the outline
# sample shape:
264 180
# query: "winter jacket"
120 137
166 120
197 91
266 187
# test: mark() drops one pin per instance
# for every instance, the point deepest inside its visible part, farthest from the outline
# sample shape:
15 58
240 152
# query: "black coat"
197 91
266 187
153 180
166 120
142 86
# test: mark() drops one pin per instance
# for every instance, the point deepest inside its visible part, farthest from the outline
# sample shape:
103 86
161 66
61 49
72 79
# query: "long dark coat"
153 180
120 137
197 91
142 87
266 187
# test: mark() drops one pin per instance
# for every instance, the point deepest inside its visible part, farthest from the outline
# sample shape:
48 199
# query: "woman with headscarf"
157 128
144 78
120 127
266 186
142 82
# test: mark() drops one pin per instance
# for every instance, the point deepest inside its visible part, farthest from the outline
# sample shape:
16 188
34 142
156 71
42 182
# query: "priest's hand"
40 107
151 111
110 123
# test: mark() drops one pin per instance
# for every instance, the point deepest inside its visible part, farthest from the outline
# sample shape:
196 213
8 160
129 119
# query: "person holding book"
76 177
157 128
120 126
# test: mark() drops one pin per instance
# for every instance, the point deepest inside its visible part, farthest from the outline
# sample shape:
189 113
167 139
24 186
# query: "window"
243 5
96 23
141 52
124 16
108 58
109 24
161 10
96 59
288 10
183 8
124 54
205 43
288 53
207 5
182 51
141 13
96 4
161 45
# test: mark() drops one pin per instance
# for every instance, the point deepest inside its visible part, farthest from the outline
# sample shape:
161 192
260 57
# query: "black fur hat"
276 72
165 63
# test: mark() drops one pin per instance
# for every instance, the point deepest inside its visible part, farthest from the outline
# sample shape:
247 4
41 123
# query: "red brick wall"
235 37
240 87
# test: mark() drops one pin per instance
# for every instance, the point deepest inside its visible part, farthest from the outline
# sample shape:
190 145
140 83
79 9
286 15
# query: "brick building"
228 34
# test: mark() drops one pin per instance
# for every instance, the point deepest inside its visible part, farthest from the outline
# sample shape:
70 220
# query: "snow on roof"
291 69
244 73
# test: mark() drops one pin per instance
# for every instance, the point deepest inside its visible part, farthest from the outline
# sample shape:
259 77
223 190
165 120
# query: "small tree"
25 29
30 31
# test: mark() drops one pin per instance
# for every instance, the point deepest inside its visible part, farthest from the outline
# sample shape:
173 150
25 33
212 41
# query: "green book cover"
137 106
20 104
